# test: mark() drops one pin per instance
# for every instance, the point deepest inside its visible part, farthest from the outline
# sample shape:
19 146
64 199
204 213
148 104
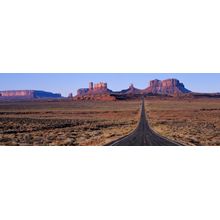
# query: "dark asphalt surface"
143 135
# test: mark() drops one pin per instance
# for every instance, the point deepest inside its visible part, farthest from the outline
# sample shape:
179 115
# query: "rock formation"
98 91
82 91
98 88
169 87
70 95
27 94
131 90
166 87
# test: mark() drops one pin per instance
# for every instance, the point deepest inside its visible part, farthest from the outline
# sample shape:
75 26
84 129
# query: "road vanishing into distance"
143 135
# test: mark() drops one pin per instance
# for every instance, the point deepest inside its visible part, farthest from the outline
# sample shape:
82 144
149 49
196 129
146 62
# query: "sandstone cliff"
27 94
96 89
156 87
166 87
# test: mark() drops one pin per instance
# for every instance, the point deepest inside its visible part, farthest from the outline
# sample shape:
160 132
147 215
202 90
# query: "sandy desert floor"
66 122
192 121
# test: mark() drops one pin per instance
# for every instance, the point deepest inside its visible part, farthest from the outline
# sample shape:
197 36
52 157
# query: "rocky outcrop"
97 91
70 95
94 89
131 90
82 91
169 87
166 87
27 94
100 87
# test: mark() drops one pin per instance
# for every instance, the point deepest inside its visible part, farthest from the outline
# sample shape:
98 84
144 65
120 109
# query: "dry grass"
66 122
192 122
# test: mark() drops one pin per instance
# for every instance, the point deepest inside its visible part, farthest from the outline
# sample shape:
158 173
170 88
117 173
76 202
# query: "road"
143 135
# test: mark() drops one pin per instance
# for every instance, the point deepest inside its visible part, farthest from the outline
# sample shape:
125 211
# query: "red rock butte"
156 87
96 88
167 87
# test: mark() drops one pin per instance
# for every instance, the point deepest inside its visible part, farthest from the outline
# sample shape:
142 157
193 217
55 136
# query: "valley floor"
66 122
190 121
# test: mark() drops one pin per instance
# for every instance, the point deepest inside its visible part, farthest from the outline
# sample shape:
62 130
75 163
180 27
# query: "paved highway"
143 135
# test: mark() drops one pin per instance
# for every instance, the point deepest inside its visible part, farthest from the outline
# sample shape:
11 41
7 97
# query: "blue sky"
66 83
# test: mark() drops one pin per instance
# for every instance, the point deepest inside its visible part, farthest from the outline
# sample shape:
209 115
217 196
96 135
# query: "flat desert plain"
67 122
190 121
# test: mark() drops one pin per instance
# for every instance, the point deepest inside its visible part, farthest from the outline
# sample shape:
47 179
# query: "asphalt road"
143 135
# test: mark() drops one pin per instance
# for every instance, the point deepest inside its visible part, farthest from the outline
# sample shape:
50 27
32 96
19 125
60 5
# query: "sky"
66 83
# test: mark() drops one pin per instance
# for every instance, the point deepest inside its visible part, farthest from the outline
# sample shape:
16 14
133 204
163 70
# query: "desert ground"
190 121
66 122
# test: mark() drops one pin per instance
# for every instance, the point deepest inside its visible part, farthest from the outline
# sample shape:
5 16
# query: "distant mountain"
131 90
27 94
166 87
169 87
